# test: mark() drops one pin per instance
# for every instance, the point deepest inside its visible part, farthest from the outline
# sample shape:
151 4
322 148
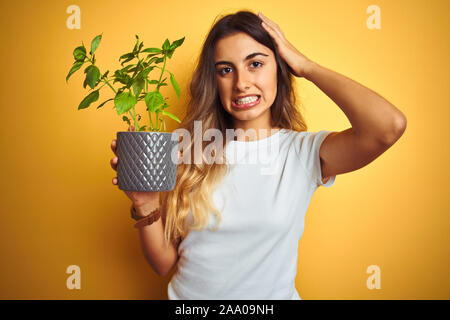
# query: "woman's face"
245 67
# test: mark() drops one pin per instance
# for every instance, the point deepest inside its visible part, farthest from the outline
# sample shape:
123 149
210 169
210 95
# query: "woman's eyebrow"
252 55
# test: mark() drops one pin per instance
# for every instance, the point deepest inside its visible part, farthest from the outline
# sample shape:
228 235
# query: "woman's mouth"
244 105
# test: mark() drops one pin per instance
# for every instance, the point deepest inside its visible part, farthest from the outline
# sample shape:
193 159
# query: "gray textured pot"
145 162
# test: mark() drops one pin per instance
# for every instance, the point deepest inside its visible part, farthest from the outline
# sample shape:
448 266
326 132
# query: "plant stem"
101 87
131 111
107 82
136 124
157 119
151 123
162 71
159 82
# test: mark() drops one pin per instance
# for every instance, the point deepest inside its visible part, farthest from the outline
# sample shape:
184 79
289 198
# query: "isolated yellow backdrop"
59 207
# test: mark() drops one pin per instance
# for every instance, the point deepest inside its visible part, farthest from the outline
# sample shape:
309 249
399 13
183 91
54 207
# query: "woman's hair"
196 182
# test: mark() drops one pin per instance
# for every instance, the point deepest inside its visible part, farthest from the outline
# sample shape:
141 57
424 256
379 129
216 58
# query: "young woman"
232 229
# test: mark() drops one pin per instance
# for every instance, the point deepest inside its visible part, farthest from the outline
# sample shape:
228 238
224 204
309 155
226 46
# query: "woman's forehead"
238 46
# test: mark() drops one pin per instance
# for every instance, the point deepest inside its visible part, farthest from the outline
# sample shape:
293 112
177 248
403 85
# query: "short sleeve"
308 148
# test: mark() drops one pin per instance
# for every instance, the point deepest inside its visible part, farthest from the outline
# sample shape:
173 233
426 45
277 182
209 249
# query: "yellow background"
59 207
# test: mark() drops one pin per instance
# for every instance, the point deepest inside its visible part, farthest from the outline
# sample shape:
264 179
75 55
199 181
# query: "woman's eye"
257 62
223 72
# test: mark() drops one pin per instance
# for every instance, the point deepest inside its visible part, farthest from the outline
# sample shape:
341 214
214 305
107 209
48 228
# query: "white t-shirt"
263 204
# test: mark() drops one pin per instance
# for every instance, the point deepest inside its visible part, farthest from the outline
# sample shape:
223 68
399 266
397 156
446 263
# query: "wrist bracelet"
133 213
147 220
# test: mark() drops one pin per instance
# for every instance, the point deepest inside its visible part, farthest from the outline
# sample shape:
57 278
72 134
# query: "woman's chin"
245 115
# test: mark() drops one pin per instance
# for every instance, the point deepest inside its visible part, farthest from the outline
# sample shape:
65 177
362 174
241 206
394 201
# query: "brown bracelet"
148 219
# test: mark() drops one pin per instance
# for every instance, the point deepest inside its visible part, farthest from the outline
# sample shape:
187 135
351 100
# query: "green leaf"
105 74
126 55
92 76
150 50
92 97
175 85
79 53
126 60
153 100
124 118
77 65
171 115
122 77
177 43
137 49
166 45
153 59
95 42
124 101
101 105
142 128
144 73
138 86
126 68
173 46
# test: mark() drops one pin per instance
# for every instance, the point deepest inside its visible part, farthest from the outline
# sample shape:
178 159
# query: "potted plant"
144 152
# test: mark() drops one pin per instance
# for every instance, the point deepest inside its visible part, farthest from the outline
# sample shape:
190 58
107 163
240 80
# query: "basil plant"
134 79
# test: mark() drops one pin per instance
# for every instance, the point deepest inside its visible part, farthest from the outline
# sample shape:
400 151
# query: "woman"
233 229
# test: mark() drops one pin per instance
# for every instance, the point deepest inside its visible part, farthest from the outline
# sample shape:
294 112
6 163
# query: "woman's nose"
242 81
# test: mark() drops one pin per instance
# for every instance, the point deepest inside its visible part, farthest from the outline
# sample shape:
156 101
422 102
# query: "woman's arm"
370 115
376 123
161 258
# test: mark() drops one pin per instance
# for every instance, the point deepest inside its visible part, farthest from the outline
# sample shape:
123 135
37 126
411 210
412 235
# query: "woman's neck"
252 133
255 129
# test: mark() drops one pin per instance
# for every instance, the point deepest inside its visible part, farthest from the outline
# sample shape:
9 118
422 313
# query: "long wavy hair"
196 182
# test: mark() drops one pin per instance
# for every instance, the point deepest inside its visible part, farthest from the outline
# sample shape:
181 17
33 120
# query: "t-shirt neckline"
259 142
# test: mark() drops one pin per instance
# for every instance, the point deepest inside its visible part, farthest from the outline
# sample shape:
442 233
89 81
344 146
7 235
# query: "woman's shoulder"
294 133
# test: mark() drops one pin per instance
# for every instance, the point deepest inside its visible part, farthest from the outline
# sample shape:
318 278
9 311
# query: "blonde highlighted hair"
196 182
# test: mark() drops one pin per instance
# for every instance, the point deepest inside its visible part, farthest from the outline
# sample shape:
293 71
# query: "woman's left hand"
297 61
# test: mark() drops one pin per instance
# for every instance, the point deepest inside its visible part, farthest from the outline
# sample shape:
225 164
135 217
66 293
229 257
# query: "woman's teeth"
247 100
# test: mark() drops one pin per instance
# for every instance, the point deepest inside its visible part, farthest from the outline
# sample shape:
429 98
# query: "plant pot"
145 161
